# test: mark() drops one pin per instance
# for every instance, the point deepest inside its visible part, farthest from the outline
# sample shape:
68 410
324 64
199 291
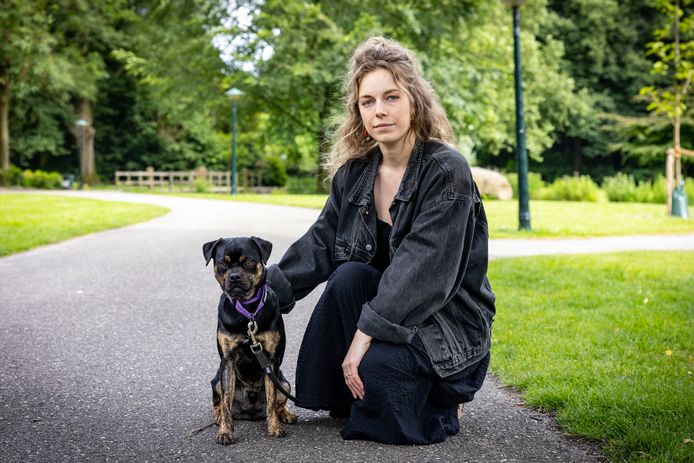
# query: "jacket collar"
363 194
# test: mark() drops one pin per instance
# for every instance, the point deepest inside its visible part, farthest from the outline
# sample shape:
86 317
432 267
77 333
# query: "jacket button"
369 247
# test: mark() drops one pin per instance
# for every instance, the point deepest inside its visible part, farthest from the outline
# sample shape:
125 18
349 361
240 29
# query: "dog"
241 390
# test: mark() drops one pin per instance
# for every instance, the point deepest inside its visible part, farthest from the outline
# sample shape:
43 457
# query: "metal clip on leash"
257 349
252 329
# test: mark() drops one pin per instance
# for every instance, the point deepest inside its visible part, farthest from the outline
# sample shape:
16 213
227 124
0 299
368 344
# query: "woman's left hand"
360 344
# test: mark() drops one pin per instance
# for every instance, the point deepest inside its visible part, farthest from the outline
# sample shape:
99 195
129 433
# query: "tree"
674 48
26 63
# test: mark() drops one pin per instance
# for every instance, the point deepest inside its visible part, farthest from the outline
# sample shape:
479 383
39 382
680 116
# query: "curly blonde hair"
429 120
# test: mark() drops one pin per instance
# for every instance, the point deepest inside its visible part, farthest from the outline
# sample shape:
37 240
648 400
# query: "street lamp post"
521 151
234 95
81 124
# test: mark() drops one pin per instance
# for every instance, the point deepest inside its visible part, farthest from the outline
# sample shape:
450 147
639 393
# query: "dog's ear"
208 249
264 246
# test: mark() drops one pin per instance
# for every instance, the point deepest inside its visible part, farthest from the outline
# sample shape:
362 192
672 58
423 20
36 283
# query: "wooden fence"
199 179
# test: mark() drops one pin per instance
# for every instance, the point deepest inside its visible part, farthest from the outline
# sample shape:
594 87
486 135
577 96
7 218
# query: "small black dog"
240 389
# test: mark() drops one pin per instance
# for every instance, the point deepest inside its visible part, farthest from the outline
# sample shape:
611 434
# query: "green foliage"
11 176
535 184
567 188
605 342
202 186
41 179
677 67
623 188
301 185
276 174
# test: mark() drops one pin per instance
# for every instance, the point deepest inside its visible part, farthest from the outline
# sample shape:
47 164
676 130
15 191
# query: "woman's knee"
354 277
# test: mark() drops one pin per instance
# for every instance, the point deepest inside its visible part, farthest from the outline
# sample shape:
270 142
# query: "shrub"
201 185
10 176
620 188
41 179
566 188
689 189
535 184
301 185
276 174
624 188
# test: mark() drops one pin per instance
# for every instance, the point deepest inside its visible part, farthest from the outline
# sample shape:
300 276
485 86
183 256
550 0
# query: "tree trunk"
5 117
576 148
87 157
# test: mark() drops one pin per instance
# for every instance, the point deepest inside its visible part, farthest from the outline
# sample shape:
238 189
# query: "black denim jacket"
436 283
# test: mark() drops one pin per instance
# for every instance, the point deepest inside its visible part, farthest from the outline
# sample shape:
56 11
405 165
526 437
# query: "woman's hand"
360 344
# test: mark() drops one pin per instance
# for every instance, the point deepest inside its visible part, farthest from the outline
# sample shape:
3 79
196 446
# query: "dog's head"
239 264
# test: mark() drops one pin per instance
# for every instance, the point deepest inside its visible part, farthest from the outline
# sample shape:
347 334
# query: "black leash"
257 350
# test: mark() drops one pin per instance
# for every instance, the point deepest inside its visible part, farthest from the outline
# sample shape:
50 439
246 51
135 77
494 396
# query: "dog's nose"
234 277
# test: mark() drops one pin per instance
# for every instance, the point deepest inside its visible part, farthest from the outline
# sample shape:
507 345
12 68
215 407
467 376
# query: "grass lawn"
550 219
28 221
605 341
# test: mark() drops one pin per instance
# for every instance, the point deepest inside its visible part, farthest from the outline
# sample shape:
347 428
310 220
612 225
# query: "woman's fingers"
360 344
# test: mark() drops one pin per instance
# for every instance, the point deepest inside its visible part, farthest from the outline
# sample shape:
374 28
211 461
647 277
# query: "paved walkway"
107 346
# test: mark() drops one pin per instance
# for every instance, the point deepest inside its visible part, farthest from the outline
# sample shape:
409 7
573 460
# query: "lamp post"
81 124
234 95
521 152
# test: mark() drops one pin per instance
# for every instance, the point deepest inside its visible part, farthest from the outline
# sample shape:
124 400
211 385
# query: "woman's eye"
393 98
366 102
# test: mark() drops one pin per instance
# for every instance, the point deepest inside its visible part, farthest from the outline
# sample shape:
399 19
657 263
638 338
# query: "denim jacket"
436 283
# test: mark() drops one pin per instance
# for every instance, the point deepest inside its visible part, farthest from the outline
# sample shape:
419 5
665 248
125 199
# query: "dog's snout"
234 277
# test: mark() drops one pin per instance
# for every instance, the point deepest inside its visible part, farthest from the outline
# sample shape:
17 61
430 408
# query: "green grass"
30 220
550 219
605 341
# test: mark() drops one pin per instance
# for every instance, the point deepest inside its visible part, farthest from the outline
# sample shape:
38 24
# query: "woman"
402 332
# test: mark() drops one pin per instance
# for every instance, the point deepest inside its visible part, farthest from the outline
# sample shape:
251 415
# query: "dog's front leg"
225 434
273 422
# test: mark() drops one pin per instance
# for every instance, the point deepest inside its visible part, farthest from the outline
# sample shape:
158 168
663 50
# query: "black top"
381 259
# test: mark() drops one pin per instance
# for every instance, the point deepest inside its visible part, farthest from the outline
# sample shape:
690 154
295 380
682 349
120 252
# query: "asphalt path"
107 346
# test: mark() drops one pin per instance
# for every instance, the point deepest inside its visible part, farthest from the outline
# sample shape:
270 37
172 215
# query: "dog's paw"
286 416
224 438
276 432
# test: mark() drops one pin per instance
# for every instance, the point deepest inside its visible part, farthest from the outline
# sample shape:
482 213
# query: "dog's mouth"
240 293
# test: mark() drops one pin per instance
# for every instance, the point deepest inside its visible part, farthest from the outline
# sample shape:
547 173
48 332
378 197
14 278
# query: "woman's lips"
383 126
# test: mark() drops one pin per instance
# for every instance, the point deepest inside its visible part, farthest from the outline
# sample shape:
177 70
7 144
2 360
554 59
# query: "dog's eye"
222 265
249 264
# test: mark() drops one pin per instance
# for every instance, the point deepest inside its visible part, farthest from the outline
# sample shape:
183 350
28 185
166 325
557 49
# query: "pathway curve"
107 348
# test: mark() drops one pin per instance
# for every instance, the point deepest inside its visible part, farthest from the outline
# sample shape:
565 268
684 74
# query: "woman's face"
385 109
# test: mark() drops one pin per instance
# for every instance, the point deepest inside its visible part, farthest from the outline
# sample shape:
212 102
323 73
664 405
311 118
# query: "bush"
201 185
535 184
41 179
276 174
11 176
566 188
623 188
301 185
689 188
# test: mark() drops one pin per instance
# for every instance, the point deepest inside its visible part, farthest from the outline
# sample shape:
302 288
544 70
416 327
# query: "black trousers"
405 401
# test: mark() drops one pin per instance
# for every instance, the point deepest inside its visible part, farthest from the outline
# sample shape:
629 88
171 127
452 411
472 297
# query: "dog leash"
256 346
257 350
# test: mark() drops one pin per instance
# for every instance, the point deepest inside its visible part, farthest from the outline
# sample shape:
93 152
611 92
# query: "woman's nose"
380 108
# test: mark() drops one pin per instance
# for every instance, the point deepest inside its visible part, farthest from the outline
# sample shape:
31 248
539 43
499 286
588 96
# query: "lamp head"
234 94
514 3
81 123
